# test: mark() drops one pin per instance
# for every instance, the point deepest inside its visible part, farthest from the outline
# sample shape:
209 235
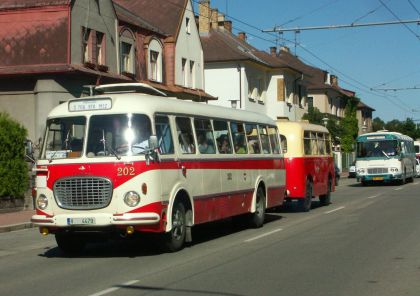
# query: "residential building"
364 118
244 77
50 50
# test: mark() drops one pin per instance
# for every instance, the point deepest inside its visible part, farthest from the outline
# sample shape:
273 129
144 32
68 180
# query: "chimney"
334 80
204 12
214 18
273 51
242 36
284 48
228 26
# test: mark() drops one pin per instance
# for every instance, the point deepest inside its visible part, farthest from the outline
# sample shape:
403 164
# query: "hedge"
13 167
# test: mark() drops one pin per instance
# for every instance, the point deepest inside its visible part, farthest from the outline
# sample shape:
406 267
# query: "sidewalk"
16 220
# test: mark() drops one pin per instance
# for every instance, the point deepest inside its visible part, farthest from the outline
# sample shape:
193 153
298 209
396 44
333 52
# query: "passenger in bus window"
203 145
186 143
239 145
224 145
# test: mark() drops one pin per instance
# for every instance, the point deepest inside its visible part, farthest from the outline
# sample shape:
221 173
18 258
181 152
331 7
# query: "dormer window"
100 48
154 62
127 53
86 45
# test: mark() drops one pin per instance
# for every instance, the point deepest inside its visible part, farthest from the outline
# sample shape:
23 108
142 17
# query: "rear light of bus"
42 202
132 198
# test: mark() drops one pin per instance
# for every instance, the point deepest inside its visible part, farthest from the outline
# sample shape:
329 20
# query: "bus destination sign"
89 105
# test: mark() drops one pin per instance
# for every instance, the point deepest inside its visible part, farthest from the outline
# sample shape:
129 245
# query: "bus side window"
307 143
164 135
221 132
238 134
204 133
328 144
274 140
321 143
314 144
283 140
265 142
254 145
185 135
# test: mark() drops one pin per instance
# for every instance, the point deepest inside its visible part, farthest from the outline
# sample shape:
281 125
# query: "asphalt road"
367 242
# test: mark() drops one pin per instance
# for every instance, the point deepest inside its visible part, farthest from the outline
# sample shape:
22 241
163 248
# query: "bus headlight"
131 198
394 170
42 202
360 171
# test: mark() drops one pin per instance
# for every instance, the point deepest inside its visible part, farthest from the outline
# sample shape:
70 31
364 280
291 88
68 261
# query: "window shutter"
280 89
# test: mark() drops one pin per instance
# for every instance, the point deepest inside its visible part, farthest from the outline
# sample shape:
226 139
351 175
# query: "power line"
352 25
396 89
414 7
396 16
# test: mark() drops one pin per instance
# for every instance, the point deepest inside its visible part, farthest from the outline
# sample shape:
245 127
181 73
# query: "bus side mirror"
29 151
153 143
152 153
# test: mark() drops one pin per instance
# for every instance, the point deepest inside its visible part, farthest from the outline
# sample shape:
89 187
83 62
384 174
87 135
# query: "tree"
378 124
13 168
349 125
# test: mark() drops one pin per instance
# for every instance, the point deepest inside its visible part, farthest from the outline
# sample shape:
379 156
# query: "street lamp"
325 121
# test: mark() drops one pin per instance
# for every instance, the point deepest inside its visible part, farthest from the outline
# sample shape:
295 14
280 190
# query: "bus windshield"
108 135
385 148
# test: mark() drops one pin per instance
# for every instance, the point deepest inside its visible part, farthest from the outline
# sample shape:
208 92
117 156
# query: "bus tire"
304 204
70 243
325 199
257 218
174 240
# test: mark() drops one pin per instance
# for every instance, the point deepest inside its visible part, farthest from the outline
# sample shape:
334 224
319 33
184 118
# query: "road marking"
263 235
399 188
332 211
373 196
110 290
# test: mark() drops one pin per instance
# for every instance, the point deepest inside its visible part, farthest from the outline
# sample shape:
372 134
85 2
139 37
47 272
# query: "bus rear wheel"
174 240
257 218
325 199
305 203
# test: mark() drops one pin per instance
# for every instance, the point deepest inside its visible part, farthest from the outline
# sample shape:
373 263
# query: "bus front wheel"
174 240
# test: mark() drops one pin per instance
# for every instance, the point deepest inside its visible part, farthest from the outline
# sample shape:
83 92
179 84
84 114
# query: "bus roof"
293 126
152 104
382 135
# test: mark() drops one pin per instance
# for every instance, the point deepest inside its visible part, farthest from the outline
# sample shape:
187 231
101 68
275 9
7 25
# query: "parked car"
352 170
337 174
417 167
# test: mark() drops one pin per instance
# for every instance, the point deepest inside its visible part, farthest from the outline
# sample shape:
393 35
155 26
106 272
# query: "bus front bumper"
95 220
379 178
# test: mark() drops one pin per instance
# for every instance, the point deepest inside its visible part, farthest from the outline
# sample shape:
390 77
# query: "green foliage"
13 168
378 124
349 125
314 116
406 127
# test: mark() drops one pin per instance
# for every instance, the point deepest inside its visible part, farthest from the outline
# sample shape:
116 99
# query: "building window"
86 45
184 72
310 102
192 74
154 56
100 48
188 25
127 57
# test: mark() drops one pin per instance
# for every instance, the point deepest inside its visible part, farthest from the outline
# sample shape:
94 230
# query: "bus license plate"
81 221
378 178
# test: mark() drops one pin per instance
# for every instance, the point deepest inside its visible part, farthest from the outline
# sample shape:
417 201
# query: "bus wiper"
52 157
108 147
384 153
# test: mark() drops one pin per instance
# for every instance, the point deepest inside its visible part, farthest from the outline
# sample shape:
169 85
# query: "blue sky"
363 58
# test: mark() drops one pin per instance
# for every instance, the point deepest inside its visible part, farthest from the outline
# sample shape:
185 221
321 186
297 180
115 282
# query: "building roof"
362 105
127 16
163 14
18 4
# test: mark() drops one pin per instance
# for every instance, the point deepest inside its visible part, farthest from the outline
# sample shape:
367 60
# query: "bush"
13 167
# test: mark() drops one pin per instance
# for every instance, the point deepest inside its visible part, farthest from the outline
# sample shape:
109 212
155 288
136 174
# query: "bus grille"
374 171
83 193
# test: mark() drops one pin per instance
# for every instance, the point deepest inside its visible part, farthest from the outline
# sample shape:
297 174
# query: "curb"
14 227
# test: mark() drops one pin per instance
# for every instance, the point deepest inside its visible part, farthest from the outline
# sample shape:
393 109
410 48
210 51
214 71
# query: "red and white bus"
309 162
125 161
